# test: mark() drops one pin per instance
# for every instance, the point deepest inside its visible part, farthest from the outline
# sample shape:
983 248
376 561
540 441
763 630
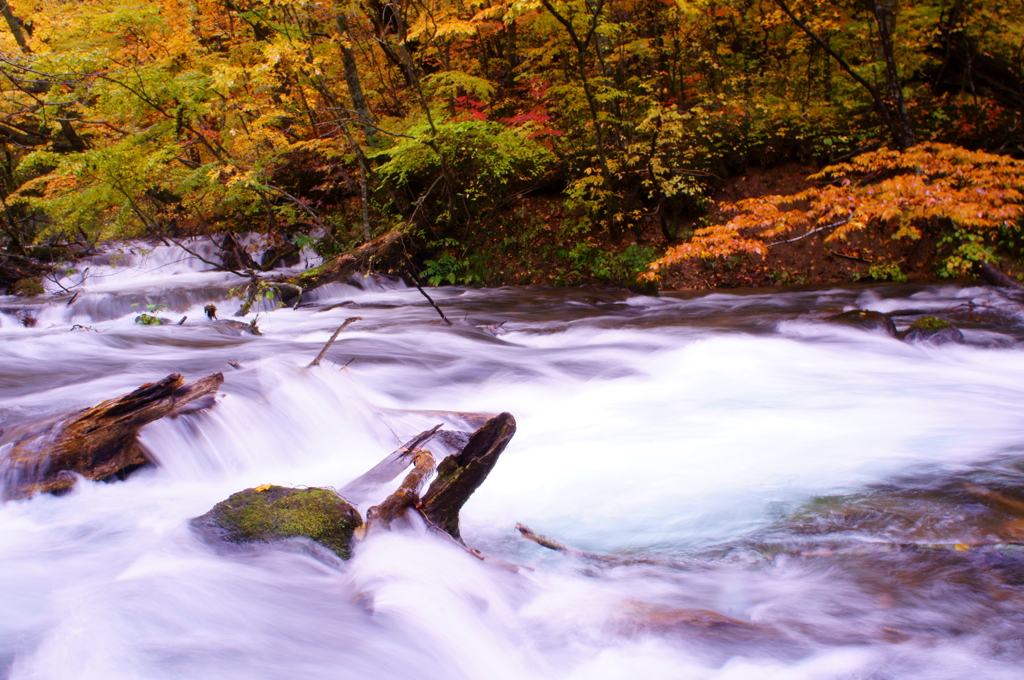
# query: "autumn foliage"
968 195
587 133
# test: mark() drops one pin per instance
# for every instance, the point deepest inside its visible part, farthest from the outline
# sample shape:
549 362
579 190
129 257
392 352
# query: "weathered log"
97 442
459 476
995 276
365 485
381 251
407 495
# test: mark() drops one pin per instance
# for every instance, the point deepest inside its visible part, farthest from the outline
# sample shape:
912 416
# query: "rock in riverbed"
270 513
933 330
866 320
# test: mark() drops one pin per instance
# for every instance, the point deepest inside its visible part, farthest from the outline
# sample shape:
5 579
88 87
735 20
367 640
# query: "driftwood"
383 250
459 476
319 357
98 442
270 513
997 277
364 486
607 560
407 494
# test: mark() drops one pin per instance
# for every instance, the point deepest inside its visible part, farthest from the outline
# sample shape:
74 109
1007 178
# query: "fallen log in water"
995 276
459 476
372 255
268 513
97 442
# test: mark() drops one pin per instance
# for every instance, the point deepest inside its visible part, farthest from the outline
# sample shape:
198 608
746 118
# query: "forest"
673 143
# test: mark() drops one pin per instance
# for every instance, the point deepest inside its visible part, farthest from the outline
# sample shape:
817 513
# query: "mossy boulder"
932 329
269 513
27 287
151 320
867 320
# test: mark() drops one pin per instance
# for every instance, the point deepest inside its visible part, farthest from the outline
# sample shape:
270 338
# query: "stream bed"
781 497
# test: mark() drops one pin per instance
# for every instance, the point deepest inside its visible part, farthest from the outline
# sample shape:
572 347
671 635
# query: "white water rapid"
683 431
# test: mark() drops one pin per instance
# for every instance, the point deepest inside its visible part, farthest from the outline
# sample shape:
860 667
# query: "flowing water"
784 497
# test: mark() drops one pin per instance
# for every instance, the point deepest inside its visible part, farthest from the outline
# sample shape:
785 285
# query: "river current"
783 497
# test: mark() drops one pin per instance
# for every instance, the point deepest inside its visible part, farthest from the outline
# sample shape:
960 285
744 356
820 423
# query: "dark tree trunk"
459 476
14 23
885 19
351 69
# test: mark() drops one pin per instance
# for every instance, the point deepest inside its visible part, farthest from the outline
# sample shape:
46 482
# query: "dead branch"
459 476
350 320
610 560
429 299
848 257
407 494
362 487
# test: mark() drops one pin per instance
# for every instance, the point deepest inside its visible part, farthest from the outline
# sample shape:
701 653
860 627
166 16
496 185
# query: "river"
789 498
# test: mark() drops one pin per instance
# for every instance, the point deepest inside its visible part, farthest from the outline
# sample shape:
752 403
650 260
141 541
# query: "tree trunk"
351 69
885 19
14 23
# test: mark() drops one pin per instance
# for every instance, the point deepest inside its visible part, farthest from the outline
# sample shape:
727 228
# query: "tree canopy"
333 122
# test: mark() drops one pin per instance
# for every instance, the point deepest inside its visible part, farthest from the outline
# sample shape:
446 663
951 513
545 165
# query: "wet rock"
271 513
866 320
236 328
22 314
933 330
649 288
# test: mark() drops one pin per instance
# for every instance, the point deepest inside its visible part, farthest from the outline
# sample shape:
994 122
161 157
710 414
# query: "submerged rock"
235 328
934 330
270 513
866 320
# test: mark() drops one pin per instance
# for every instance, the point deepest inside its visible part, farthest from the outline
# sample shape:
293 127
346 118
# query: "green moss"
311 273
275 512
930 323
28 287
